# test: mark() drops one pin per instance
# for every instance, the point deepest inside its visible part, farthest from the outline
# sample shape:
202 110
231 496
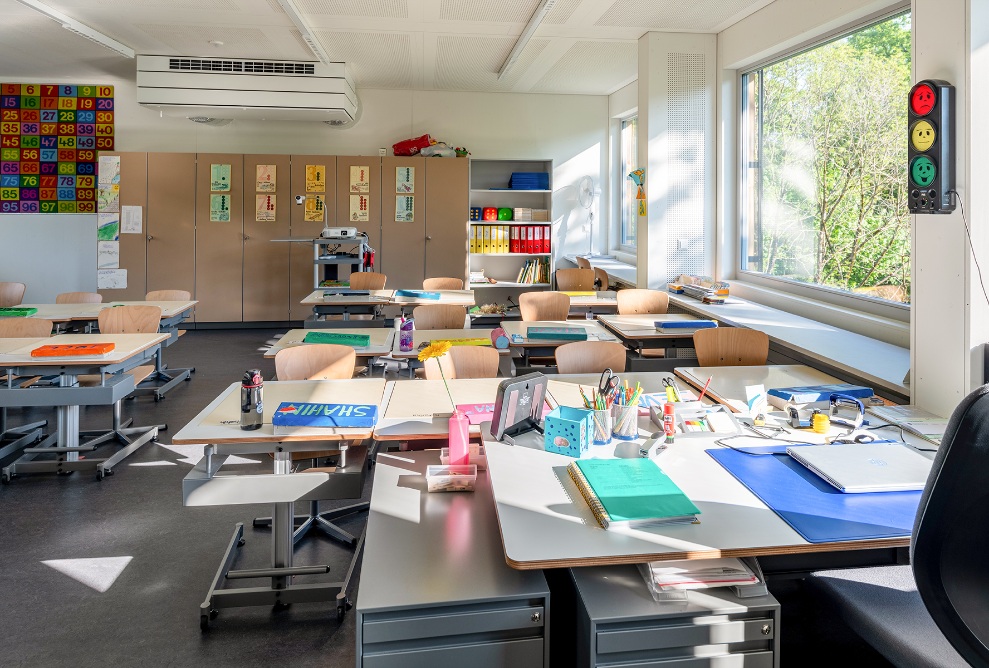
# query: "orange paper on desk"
72 349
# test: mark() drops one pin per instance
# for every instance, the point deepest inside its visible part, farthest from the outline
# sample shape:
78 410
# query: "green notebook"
630 492
339 338
16 312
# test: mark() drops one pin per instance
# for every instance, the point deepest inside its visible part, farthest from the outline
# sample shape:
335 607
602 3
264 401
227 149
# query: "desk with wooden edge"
129 351
547 347
424 336
447 297
324 302
582 302
58 313
380 341
218 426
728 382
638 332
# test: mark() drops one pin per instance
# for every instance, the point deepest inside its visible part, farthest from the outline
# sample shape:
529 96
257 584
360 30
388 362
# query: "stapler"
847 411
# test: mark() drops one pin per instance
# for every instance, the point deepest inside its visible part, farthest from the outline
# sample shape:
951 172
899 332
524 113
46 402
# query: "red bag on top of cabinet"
411 146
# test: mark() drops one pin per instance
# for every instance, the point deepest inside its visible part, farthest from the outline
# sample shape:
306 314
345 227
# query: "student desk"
380 343
604 301
728 382
547 347
421 336
58 313
218 426
324 303
638 332
130 350
447 297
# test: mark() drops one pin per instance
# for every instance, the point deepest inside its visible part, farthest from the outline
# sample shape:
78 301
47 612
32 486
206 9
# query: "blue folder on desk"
417 294
816 510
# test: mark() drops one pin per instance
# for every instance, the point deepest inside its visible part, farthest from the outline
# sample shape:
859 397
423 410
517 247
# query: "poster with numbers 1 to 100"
50 135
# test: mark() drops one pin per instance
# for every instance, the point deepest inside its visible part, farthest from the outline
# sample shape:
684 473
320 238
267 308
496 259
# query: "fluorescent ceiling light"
307 34
537 17
80 29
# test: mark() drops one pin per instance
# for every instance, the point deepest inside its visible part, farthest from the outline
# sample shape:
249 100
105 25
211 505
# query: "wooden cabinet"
403 244
266 262
220 243
301 255
133 255
447 210
170 222
372 226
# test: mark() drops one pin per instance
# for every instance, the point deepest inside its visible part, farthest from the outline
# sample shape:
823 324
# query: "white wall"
50 253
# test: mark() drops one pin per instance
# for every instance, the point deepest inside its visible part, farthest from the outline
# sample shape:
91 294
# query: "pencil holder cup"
567 431
626 422
602 426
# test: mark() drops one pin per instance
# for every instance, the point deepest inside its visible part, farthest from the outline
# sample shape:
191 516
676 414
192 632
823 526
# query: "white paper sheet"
131 219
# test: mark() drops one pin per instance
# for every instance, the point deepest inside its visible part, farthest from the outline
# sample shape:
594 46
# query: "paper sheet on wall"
131 219
405 179
219 208
360 181
111 279
265 179
315 178
219 178
315 209
107 254
109 170
264 208
359 209
405 209
108 198
107 226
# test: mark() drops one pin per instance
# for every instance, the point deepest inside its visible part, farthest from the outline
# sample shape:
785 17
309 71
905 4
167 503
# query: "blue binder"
816 510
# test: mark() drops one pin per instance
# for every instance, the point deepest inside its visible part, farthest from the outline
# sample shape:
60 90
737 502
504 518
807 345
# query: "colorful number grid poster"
49 138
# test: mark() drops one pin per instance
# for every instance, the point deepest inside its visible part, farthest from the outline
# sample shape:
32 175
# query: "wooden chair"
168 296
439 316
600 279
582 263
635 301
79 298
18 328
167 376
577 280
14 439
590 357
544 306
464 362
731 346
443 284
367 280
11 294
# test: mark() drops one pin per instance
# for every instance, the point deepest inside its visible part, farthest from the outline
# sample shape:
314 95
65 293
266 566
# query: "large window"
824 164
628 163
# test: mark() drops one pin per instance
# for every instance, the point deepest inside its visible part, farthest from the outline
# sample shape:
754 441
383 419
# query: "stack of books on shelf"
529 181
535 270
529 239
489 238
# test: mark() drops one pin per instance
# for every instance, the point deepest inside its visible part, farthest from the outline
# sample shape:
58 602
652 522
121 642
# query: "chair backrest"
544 306
13 328
79 298
642 301
600 279
590 357
582 263
439 316
315 361
11 294
443 283
464 362
575 279
130 319
168 296
367 280
950 536
731 346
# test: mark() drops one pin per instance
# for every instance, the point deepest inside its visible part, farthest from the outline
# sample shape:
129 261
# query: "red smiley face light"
922 100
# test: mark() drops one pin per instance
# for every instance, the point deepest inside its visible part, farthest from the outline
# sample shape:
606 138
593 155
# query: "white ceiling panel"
701 15
487 11
382 9
472 63
377 60
562 11
590 67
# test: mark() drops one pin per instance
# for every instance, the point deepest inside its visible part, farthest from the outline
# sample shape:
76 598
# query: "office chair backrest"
130 319
315 361
590 357
544 306
439 316
575 279
79 298
642 301
600 279
731 346
367 280
168 296
11 294
14 328
464 362
951 533
583 263
443 284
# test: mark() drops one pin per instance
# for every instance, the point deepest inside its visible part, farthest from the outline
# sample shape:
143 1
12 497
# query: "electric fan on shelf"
585 198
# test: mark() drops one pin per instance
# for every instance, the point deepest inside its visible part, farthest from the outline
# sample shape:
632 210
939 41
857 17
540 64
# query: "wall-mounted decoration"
111 279
359 212
315 179
405 209
360 181
108 226
131 219
219 178
265 179
264 208
219 208
315 209
405 180
107 254
49 138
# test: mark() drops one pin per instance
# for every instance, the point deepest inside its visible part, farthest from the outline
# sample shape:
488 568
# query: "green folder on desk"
556 333
339 338
16 312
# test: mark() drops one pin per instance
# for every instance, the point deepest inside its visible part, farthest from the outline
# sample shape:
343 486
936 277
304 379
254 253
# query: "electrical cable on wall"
968 233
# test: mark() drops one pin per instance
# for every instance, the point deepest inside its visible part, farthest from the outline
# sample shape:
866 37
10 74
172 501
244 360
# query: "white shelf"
507 190
510 222
513 254
506 284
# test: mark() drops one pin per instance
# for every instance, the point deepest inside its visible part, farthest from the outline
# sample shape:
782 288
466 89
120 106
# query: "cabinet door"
132 247
301 272
345 218
170 222
447 213
266 262
403 244
219 243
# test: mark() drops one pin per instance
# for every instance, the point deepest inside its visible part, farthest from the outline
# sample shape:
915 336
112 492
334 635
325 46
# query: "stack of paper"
698 573
915 420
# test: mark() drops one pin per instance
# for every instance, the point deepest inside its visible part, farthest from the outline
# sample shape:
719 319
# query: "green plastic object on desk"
16 312
339 338
557 333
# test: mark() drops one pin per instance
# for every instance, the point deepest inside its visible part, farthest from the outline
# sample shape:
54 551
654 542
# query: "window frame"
622 179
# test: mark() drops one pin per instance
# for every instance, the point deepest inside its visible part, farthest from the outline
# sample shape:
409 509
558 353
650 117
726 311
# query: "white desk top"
595 332
316 298
643 326
448 297
604 298
66 312
125 347
219 422
728 382
420 336
881 364
380 344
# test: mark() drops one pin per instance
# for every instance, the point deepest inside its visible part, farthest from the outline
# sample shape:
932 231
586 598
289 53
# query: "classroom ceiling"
581 47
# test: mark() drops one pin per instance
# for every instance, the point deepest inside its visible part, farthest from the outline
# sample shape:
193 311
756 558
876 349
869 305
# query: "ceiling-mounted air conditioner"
270 90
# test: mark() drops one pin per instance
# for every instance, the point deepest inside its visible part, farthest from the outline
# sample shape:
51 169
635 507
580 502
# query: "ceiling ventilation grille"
242 66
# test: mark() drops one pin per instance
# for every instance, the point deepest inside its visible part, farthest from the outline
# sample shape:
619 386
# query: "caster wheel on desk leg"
279 606
240 543
5 479
100 474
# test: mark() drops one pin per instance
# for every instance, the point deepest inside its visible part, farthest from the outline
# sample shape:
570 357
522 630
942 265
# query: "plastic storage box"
460 478
568 430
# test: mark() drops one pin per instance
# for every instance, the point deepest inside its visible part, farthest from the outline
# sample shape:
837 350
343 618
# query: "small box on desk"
567 431
556 333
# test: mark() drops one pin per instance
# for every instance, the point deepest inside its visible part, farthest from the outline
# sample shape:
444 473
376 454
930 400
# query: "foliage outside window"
627 163
824 158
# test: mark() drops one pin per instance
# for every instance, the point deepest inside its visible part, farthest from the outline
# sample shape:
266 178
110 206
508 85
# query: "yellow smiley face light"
922 135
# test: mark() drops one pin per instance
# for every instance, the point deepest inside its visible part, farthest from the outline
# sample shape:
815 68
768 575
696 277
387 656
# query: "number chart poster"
49 138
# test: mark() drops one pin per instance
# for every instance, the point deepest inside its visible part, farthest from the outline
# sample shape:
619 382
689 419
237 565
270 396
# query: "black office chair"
934 612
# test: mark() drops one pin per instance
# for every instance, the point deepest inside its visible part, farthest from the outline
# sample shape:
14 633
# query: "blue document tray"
816 510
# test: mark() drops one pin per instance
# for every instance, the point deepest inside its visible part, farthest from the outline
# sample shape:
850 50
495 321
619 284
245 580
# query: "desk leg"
282 527
68 421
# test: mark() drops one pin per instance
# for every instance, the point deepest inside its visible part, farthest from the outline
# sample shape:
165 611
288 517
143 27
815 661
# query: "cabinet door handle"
150 238
429 238
246 238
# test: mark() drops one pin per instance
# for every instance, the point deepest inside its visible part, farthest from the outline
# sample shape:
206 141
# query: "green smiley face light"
922 171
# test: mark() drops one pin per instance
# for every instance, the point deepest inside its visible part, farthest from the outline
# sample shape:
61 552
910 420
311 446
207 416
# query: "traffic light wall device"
931 147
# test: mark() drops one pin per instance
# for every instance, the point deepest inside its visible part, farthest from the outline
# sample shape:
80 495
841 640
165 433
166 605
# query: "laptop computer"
866 467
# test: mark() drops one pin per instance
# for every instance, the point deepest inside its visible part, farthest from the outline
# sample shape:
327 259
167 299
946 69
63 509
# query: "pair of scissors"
672 391
609 381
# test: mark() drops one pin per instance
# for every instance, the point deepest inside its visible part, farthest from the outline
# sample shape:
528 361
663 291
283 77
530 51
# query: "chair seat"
653 352
139 373
882 605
